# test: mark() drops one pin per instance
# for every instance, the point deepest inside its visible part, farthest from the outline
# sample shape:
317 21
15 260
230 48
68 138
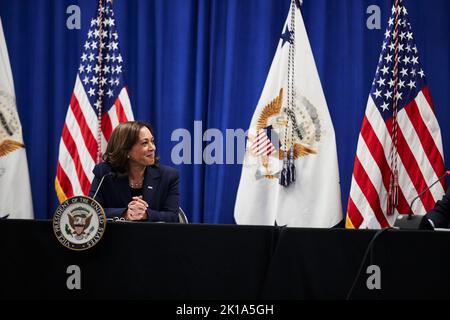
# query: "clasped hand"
137 209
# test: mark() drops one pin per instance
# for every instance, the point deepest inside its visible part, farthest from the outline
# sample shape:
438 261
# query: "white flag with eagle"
15 190
290 172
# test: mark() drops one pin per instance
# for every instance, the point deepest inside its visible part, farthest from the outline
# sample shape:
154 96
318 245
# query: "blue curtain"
207 60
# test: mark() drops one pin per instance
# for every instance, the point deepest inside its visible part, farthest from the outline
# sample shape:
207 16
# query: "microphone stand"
410 215
101 181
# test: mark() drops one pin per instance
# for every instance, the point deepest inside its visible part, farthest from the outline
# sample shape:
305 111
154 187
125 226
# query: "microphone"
426 189
112 174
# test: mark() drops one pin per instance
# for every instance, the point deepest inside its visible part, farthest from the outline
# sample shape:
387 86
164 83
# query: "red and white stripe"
420 163
78 145
262 145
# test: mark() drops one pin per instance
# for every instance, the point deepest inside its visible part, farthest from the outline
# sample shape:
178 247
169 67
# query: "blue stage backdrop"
207 60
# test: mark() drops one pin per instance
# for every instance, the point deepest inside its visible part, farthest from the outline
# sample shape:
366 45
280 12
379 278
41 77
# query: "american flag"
262 144
99 102
399 151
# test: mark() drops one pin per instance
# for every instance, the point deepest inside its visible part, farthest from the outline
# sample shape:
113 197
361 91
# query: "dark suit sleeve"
169 211
109 212
440 215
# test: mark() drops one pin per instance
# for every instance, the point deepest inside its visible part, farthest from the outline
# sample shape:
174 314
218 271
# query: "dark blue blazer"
159 190
440 215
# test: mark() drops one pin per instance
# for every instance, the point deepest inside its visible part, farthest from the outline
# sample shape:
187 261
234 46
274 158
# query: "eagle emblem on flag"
277 131
291 147
10 131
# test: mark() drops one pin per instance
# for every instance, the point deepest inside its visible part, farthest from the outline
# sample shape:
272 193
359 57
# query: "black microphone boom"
101 181
412 221
426 189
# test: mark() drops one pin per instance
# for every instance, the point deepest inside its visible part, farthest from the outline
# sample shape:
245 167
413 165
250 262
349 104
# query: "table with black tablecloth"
223 262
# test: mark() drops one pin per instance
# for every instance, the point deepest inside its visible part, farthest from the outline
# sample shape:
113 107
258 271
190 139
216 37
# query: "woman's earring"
128 156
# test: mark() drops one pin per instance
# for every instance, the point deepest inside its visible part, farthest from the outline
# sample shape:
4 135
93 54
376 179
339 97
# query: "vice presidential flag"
290 171
99 103
399 151
15 190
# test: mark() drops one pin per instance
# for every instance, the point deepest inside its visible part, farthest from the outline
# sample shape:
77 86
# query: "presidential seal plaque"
79 223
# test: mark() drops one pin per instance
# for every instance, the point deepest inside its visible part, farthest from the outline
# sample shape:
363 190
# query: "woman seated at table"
136 187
